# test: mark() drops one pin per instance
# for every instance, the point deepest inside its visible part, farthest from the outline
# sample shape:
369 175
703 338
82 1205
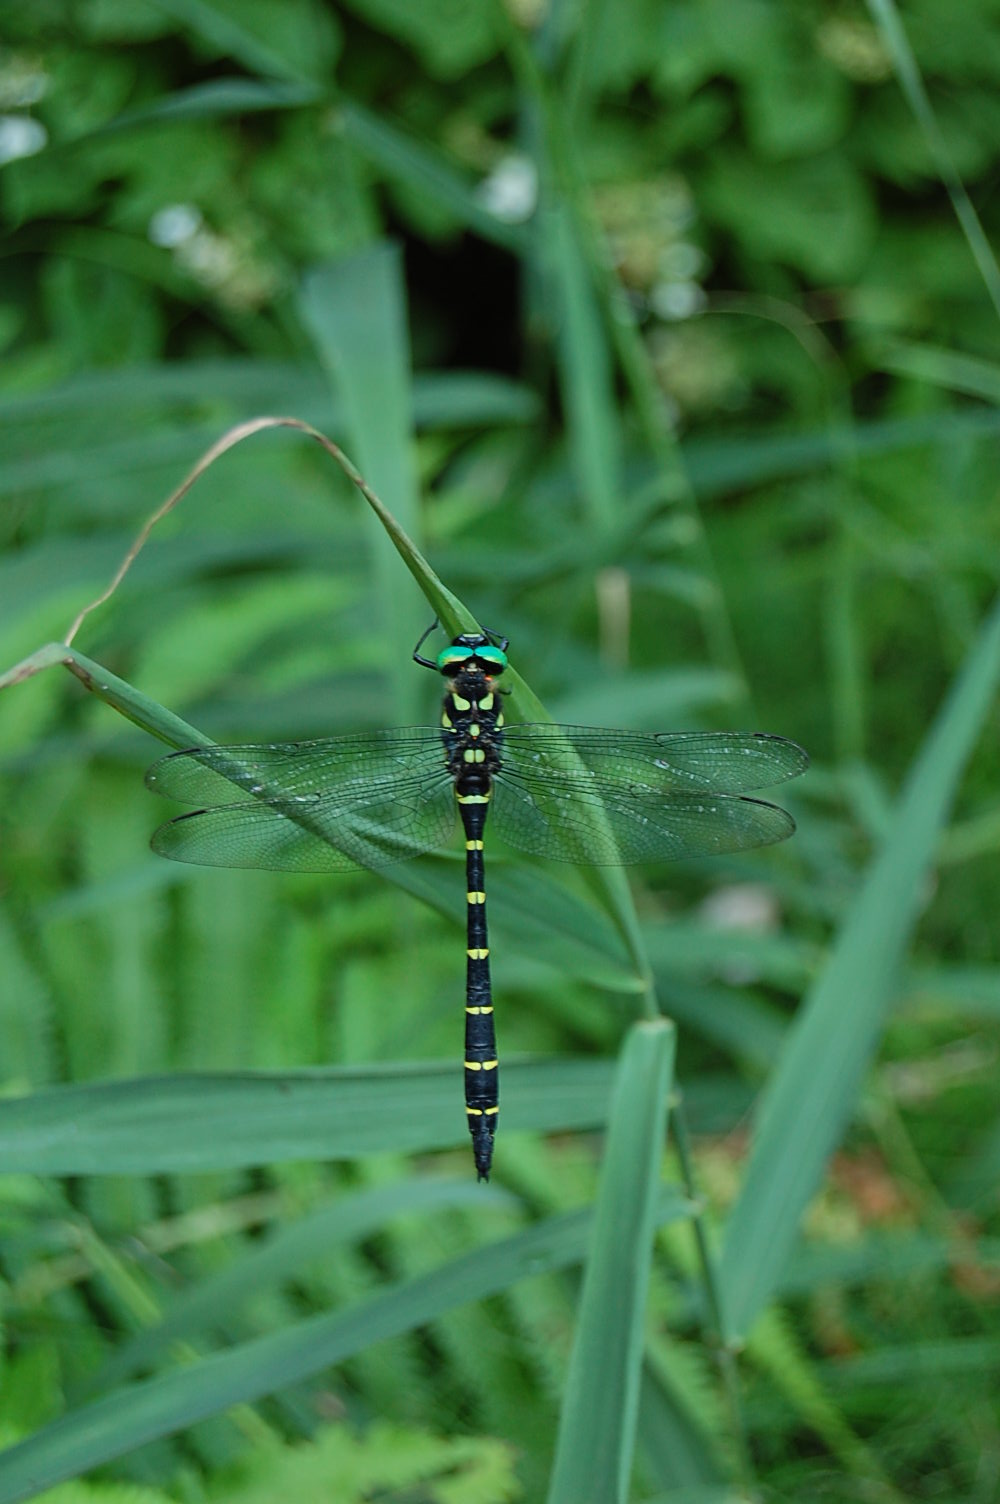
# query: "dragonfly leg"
418 656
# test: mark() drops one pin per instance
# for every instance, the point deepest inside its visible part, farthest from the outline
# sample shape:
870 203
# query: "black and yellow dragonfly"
569 793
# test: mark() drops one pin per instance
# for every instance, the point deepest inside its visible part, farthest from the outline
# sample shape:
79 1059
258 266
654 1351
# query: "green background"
668 334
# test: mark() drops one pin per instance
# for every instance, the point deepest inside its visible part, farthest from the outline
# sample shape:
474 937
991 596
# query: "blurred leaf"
812 1093
129 1417
406 160
586 375
945 368
675 1449
217 100
25 1014
297 41
819 215
886 18
723 466
213 1303
448 38
355 309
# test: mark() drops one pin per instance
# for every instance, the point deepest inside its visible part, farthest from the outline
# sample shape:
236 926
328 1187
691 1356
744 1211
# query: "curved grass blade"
600 1411
530 901
609 883
118 693
810 1098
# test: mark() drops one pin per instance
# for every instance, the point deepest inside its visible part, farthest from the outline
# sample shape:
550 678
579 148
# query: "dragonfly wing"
348 767
307 836
724 762
604 827
323 806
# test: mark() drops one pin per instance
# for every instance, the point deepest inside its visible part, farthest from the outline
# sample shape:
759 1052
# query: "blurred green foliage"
653 324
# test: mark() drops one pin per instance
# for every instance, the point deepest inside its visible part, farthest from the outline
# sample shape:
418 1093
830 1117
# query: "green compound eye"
450 656
493 657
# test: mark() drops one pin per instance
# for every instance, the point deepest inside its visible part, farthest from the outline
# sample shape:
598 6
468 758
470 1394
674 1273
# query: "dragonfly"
578 794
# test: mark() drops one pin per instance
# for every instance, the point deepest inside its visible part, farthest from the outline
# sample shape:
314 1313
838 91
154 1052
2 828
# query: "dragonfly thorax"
471 722
471 682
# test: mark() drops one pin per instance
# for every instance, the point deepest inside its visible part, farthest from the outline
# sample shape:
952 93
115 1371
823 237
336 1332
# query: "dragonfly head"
472 653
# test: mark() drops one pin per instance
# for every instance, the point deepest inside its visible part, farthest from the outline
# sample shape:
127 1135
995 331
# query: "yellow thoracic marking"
474 754
473 845
489 1111
473 798
446 720
479 953
486 703
476 897
461 704
475 729
476 1112
499 718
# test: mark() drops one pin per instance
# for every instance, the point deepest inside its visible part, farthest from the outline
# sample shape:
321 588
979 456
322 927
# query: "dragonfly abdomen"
471 720
482 1090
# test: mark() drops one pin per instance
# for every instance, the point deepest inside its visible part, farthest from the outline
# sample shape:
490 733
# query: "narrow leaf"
811 1096
597 1427
886 18
355 309
210 1121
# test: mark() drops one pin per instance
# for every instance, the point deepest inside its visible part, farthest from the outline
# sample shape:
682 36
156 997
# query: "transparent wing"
581 794
725 762
346 767
602 831
572 793
320 806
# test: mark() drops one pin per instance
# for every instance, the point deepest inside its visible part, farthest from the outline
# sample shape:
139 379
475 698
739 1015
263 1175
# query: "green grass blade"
812 1094
420 170
594 1450
586 378
720 465
941 367
220 99
886 18
355 309
210 1121
219 1299
140 1413
441 399
118 693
